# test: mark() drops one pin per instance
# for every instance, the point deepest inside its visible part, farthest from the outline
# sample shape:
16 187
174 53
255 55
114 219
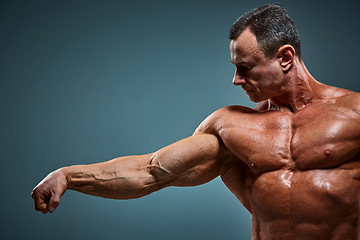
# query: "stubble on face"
262 81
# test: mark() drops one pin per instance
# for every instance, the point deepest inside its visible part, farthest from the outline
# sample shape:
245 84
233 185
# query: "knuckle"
39 208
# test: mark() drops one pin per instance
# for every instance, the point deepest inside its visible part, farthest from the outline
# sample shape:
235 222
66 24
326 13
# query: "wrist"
66 173
74 176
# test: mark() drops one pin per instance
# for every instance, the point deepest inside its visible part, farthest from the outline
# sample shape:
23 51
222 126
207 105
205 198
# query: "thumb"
53 203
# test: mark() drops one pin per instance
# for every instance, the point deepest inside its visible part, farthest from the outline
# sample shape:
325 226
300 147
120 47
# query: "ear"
286 54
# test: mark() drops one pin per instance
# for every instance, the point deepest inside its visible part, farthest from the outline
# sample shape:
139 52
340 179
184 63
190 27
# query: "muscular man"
293 161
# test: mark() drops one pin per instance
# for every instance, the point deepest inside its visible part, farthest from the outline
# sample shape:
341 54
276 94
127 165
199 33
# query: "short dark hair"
272 27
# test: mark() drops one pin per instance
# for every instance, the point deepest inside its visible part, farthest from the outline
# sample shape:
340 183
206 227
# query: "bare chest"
311 139
297 166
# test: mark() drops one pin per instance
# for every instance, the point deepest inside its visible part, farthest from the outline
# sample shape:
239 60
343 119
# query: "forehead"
245 46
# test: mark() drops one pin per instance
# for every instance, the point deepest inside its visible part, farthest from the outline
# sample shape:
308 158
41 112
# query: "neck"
299 90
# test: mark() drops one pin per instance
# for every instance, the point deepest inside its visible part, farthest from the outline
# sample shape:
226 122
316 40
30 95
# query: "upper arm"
192 161
196 159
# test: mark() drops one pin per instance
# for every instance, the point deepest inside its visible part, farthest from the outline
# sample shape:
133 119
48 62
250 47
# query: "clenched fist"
48 192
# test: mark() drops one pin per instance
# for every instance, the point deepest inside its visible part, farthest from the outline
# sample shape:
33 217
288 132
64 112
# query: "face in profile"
259 76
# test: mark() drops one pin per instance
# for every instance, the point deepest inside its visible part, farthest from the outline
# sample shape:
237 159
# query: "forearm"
120 178
188 162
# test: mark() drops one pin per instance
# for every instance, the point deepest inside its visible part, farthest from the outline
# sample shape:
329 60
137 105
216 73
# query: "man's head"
264 44
272 27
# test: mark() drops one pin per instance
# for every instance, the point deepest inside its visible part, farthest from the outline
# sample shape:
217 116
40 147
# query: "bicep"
192 161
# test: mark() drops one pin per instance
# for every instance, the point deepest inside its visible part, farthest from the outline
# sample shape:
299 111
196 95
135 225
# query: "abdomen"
312 204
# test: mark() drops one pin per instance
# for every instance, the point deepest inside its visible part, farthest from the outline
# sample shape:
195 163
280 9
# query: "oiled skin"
298 174
293 161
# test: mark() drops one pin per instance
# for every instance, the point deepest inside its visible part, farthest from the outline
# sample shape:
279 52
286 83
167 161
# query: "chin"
256 99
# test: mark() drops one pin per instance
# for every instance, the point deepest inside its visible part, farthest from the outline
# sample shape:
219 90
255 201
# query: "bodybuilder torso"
297 173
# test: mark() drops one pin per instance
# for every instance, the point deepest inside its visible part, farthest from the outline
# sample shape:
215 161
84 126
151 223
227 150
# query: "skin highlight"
293 161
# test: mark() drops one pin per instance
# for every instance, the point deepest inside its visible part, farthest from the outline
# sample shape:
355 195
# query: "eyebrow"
239 63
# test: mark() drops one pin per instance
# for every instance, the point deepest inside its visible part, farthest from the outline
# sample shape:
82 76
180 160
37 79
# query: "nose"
238 79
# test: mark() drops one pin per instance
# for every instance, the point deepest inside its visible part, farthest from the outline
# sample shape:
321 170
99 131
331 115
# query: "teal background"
87 81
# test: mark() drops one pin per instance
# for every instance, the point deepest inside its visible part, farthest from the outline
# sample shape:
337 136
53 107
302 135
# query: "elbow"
160 174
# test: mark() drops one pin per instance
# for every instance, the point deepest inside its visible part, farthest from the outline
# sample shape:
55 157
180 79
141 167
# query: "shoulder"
341 97
215 121
350 100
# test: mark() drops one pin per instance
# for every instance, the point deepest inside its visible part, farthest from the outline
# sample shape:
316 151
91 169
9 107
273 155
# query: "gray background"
87 81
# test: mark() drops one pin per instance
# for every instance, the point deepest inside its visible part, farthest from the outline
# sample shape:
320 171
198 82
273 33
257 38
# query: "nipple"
252 164
327 152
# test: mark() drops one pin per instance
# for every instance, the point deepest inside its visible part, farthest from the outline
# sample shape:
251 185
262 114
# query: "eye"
244 69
